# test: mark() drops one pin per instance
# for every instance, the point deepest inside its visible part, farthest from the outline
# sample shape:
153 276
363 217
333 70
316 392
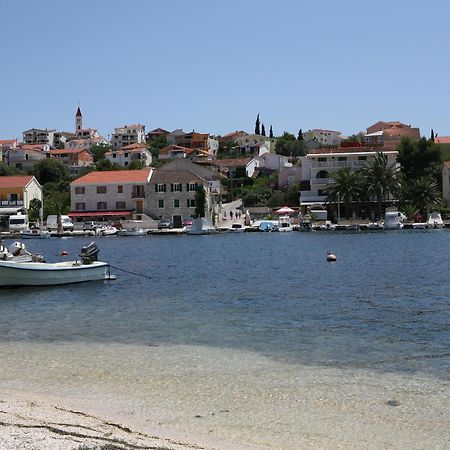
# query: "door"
177 222
139 208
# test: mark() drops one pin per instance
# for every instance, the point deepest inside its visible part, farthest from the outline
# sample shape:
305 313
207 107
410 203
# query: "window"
191 202
125 155
80 206
322 159
79 190
125 163
191 187
120 205
101 205
342 158
101 189
362 158
160 203
176 203
114 155
160 188
120 189
176 187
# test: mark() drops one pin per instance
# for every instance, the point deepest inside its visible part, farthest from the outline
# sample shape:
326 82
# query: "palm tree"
345 187
381 180
423 192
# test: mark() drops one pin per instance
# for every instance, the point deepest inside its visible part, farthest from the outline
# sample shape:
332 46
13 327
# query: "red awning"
100 213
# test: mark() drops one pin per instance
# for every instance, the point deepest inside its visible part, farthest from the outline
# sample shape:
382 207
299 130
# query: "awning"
99 213
9 211
311 203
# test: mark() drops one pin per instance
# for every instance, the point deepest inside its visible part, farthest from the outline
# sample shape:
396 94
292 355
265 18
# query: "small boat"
133 232
435 220
393 220
420 226
35 233
107 231
374 226
202 225
35 272
236 228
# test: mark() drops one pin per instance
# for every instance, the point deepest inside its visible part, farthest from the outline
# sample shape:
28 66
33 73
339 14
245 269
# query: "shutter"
156 188
171 187
165 188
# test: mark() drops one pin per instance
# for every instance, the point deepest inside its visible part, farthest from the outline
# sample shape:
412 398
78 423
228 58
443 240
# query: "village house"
173 187
128 134
389 134
24 156
265 162
16 193
126 155
250 143
109 195
75 159
319 165
176 151
39 136
156 133
200 141
288 176
6 144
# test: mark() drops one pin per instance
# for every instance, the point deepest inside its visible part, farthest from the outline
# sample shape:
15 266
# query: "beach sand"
182 397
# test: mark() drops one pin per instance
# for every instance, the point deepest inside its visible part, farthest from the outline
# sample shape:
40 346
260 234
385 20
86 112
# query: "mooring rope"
130 272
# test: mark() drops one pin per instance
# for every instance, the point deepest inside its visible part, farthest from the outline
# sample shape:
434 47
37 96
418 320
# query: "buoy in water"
64 253
331 257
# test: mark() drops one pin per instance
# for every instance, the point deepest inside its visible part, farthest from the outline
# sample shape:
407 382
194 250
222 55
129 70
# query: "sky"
212 66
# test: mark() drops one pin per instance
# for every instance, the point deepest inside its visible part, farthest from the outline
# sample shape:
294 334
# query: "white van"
18 222
52 223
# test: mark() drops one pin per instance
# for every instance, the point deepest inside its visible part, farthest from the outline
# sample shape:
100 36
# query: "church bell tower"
78 122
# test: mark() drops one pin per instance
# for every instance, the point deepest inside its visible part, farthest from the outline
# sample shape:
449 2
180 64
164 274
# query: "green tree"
432 135
6 170
300 135
278 198
293 195
424 194
263 130
56 203
270 132
200 201
257 129
34 209
156 144
99 150
136 164
346 189
50 170
381 179
288 145
418 159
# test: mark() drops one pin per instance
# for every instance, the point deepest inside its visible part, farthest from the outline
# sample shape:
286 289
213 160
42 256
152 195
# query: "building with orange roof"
114 194
201 141
16 193
126 155
442 140
75 159
128 134
389 134
156 133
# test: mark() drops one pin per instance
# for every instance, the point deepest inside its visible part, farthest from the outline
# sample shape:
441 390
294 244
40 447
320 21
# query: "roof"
78 112
7 141
234 134
174 149
175 176
15 181
442 140
115 176
377 133
360 150
65 151
236 162
135 146
158 131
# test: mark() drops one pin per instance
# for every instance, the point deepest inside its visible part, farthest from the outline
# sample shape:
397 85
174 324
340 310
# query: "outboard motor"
89 253
18 248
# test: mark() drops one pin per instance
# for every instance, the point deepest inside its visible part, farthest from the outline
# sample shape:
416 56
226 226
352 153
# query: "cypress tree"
432 135
257 130
263 130
270 132
300 135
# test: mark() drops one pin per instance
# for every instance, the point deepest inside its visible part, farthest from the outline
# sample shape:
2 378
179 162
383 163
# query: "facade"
114 194
323 137
74 159
39 136
266 161
289 175
319 166
128 134
389 134
173 135
156 133
23 157
250 143
232 136
85 143
200 141
5 145
173 187
16 193
126 155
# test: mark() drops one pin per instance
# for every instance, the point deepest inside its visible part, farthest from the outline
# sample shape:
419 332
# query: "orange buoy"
64 253
331 257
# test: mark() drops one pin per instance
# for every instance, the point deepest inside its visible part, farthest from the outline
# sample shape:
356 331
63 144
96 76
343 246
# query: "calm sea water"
383 306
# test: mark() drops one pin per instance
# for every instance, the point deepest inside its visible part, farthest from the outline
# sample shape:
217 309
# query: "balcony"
9 203
138 194
338 164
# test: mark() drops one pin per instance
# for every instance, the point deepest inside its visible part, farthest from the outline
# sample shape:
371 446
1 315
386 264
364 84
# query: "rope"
130 272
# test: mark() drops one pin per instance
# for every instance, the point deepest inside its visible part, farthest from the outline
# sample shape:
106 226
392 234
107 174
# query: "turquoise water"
383 306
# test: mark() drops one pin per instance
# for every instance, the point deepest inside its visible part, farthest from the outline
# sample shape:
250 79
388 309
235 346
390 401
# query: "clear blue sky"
212 65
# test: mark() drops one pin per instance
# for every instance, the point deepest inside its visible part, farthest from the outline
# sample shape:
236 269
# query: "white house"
323 137
251 143
266 160
126 155
128 134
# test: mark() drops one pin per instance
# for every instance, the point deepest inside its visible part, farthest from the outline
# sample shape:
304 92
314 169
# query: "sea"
249 339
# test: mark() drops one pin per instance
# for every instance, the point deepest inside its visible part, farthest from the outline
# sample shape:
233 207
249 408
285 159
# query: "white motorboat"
236 228
393 220
201 225
373 226
420 226
284 223
35 233
107 231
133 232
435 220
35 272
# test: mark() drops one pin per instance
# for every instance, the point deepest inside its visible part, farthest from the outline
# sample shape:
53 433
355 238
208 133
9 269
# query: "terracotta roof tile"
15 181
115 176
442 140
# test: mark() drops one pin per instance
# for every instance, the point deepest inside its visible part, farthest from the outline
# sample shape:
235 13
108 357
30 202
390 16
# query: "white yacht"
393 220
435 220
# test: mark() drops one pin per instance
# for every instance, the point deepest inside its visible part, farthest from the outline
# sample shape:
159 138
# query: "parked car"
90 226
186 222
164 223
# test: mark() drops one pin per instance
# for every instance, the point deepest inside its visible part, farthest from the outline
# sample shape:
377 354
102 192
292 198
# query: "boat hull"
14 273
